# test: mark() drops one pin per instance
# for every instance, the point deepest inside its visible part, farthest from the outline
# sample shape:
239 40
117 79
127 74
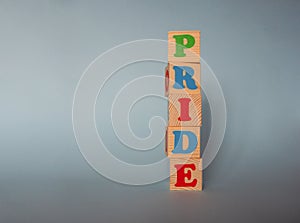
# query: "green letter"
180 46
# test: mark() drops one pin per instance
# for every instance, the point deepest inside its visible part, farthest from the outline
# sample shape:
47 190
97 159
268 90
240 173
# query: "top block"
184 46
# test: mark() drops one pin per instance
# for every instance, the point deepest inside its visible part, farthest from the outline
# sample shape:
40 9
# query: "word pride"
185 118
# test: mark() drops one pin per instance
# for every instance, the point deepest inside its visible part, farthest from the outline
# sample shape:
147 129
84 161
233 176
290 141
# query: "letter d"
178 142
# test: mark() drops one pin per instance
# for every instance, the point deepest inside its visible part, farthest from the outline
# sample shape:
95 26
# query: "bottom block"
186 174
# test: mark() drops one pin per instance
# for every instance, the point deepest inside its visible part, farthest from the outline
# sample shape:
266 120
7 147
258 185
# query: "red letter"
181 175
184 109
166 81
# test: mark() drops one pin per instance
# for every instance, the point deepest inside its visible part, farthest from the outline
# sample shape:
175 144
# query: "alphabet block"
183 78
186 174
185 110
183 142
184 46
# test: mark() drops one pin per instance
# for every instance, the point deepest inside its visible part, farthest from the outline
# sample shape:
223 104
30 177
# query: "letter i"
184 109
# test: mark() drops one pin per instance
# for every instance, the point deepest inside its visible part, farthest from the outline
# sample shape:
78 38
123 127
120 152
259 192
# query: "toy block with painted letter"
183 78
184 46
186 174
185 110
183 142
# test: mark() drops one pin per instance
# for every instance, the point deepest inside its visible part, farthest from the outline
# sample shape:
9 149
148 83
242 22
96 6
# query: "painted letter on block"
183 142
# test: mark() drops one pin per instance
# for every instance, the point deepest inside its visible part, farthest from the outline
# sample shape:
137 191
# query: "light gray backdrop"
253 47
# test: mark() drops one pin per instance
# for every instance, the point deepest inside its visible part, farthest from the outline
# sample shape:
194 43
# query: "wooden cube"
183 78
185 110
183 142
186 174
184 46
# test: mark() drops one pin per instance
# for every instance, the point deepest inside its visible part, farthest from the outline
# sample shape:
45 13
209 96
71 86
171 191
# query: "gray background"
252 46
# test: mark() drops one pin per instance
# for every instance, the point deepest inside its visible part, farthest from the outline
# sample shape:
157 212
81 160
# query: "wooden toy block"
183 142
183 78
184 46
185 110
186 174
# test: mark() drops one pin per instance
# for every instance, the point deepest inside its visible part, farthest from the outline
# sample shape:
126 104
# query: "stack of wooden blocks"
184 96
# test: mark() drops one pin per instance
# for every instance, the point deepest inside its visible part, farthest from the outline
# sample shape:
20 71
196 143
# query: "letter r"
184 73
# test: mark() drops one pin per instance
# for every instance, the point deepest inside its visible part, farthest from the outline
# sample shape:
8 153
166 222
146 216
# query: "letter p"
183 42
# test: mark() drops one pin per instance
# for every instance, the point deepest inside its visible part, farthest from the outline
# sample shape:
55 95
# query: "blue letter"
178 144
179 77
